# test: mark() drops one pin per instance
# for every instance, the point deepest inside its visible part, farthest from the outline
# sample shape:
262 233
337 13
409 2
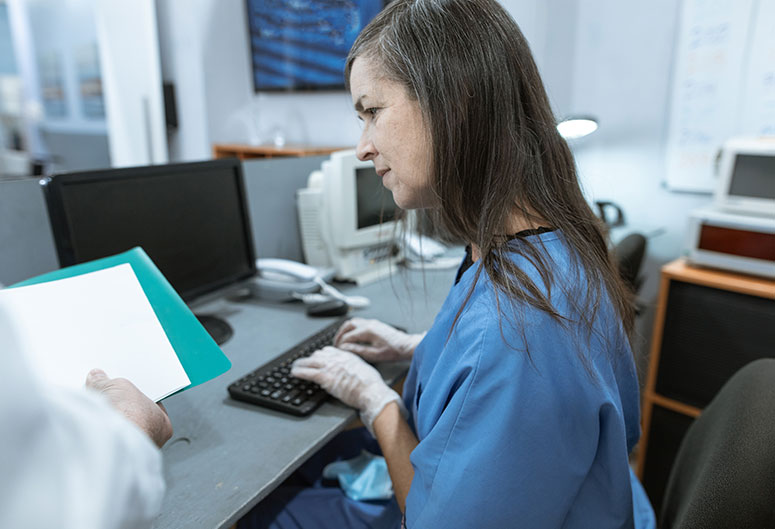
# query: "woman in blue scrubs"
521 404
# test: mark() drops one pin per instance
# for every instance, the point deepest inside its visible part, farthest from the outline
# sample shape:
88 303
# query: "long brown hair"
495 146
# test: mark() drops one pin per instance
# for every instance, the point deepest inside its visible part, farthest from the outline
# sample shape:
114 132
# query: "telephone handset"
280 279
286 270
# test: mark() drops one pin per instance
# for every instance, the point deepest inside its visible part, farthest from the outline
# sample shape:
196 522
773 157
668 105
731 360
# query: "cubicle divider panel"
271 186
26 245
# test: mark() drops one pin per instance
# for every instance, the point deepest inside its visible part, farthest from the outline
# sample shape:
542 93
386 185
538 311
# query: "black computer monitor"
190 218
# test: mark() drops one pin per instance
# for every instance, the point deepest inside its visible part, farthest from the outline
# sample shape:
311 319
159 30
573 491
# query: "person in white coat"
76 458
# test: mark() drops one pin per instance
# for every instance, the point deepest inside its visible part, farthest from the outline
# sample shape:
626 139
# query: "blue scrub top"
511 440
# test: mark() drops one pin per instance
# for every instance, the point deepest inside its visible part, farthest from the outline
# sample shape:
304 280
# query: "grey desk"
225 456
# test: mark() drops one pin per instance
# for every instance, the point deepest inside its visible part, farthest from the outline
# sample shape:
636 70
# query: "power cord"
327 292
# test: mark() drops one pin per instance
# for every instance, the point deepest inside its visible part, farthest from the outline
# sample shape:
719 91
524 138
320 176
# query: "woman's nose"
365 149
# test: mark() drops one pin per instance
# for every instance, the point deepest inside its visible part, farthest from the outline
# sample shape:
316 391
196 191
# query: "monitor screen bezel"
340 199
54 189
728 160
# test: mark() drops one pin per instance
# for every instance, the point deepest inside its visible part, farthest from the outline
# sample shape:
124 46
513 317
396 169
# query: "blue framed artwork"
302 44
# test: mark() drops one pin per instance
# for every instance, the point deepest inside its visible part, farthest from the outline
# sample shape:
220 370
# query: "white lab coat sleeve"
67 459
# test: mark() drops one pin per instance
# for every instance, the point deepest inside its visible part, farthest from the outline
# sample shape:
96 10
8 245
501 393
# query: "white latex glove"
351 380
376 341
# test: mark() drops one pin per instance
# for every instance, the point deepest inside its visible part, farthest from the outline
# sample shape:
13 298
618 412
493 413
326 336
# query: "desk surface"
682 270
225 456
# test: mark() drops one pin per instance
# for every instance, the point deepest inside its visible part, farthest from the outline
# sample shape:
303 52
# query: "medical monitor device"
747 177
348 219
732 241
190 218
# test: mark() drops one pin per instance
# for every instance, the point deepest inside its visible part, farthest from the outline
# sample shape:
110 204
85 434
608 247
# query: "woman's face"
394 136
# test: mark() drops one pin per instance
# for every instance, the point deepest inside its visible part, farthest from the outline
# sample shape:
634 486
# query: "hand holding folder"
160 355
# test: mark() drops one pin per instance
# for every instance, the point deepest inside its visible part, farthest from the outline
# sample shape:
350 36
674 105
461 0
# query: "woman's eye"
368 113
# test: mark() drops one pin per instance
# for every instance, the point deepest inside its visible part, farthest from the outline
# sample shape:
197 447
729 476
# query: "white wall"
623 68
72 33
550 27
131 77
63 28
623 61
606 58
205 52
181 26
7 58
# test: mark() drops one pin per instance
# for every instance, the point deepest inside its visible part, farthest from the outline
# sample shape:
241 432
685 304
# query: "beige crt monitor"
746 182
737 232
348 219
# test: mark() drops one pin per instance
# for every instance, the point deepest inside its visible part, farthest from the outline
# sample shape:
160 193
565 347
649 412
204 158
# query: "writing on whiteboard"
723 85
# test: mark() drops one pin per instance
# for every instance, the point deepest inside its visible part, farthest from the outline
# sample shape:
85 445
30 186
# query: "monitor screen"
374 203
753 176
191 219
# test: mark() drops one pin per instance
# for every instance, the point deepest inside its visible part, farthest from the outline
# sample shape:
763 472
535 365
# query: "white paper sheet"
97 320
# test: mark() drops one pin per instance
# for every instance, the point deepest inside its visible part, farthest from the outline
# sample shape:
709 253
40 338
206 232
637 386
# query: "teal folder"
198 353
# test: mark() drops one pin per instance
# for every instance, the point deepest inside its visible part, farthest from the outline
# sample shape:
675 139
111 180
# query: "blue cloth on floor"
306 500
362 478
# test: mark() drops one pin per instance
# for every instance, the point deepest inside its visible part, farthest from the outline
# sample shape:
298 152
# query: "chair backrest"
724 473
629 253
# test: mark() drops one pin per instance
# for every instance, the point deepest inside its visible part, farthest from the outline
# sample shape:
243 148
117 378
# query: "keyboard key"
290 396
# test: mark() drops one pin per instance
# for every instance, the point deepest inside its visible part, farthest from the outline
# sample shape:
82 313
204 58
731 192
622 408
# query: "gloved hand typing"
376 341
348 378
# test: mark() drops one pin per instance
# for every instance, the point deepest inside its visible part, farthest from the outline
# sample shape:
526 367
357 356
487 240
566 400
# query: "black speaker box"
665 435
708 335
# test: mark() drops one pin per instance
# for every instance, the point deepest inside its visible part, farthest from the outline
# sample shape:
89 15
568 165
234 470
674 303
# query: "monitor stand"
217 327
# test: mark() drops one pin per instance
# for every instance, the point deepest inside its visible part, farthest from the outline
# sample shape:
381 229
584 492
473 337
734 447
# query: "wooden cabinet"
708 325
235 150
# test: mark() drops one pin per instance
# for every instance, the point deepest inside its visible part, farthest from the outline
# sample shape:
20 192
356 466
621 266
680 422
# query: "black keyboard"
272 385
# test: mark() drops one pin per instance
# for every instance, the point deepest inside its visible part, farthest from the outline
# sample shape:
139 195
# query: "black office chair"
629 253
724 474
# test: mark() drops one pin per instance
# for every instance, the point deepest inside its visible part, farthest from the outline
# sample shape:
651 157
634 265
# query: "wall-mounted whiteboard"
723 85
